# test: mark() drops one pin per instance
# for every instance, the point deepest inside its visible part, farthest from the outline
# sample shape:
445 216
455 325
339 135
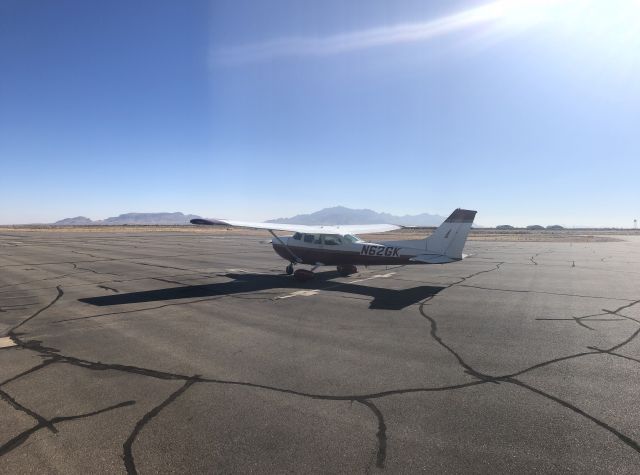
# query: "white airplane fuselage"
336 250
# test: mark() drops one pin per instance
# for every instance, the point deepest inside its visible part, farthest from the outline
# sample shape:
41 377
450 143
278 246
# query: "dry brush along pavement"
186 352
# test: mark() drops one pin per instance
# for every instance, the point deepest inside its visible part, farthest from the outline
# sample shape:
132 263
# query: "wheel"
289 269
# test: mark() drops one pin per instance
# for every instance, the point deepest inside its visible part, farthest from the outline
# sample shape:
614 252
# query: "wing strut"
295 258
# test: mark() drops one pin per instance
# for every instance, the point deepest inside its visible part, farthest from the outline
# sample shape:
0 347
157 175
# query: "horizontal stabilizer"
433 259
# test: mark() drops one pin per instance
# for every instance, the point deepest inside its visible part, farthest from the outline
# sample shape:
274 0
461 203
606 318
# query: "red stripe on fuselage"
330 257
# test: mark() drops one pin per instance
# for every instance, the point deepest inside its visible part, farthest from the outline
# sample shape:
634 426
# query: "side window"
332 240
297 236
308 238
318 239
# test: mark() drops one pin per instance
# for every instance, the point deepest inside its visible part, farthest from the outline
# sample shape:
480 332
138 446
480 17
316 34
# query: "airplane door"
332 242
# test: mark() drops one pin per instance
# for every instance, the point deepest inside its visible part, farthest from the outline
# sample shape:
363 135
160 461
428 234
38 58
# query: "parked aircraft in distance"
339 246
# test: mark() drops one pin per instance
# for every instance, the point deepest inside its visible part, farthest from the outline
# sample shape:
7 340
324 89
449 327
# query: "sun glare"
611 19
606 30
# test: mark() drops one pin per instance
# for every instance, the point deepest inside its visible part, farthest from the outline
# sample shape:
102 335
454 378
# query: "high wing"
302 228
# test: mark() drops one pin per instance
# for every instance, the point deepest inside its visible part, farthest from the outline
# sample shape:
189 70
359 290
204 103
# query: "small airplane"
339 246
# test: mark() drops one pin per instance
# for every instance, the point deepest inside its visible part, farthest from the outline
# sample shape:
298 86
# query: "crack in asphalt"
381 435
124 312
38 312
61 276
57 357
127 455
189 380
108 288
543 293
23 436
204 275
88 254
168 281
35 368
54 356
75 266
624 438
106 259
55 277
42 421
511 378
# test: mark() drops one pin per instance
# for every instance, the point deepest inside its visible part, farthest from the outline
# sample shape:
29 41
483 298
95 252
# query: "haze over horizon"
524 110
335 215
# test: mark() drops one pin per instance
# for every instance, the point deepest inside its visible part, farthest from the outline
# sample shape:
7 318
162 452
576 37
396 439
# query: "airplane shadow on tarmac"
384 299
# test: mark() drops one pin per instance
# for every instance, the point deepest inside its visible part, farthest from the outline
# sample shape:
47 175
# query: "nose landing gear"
289 269
345 270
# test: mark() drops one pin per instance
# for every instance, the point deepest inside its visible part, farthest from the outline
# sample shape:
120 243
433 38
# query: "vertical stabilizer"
449 238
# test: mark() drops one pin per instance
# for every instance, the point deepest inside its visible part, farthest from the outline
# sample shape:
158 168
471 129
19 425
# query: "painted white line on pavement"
299 293
6 342
381 276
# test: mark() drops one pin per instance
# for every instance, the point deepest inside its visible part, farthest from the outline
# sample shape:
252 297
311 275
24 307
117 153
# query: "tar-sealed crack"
54 356
381 435
23 436
511 378
105 287
42 421
38 312
127 456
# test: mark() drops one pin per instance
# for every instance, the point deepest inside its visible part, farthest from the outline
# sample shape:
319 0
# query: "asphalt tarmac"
194 353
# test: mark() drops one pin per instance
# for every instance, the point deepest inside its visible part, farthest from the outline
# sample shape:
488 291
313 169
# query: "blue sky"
528 111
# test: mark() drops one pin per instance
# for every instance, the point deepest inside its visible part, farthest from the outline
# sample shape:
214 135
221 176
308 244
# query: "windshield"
352 238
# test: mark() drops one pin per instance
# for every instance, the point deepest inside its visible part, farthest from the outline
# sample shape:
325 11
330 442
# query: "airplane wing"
302 228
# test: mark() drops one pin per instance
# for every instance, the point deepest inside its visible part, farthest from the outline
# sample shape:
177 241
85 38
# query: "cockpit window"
351 238
297 236
308 238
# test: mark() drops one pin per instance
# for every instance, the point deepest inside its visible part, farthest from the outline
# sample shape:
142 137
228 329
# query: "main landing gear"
289 269
345 270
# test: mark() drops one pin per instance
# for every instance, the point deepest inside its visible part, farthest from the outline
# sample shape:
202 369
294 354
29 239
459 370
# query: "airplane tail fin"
449 238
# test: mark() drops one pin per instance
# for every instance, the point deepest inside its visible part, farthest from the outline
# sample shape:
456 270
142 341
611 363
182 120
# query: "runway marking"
309 293
299 293
6 342
382 276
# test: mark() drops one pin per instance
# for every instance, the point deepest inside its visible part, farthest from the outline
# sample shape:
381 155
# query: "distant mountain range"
131 218
341 216
337 215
